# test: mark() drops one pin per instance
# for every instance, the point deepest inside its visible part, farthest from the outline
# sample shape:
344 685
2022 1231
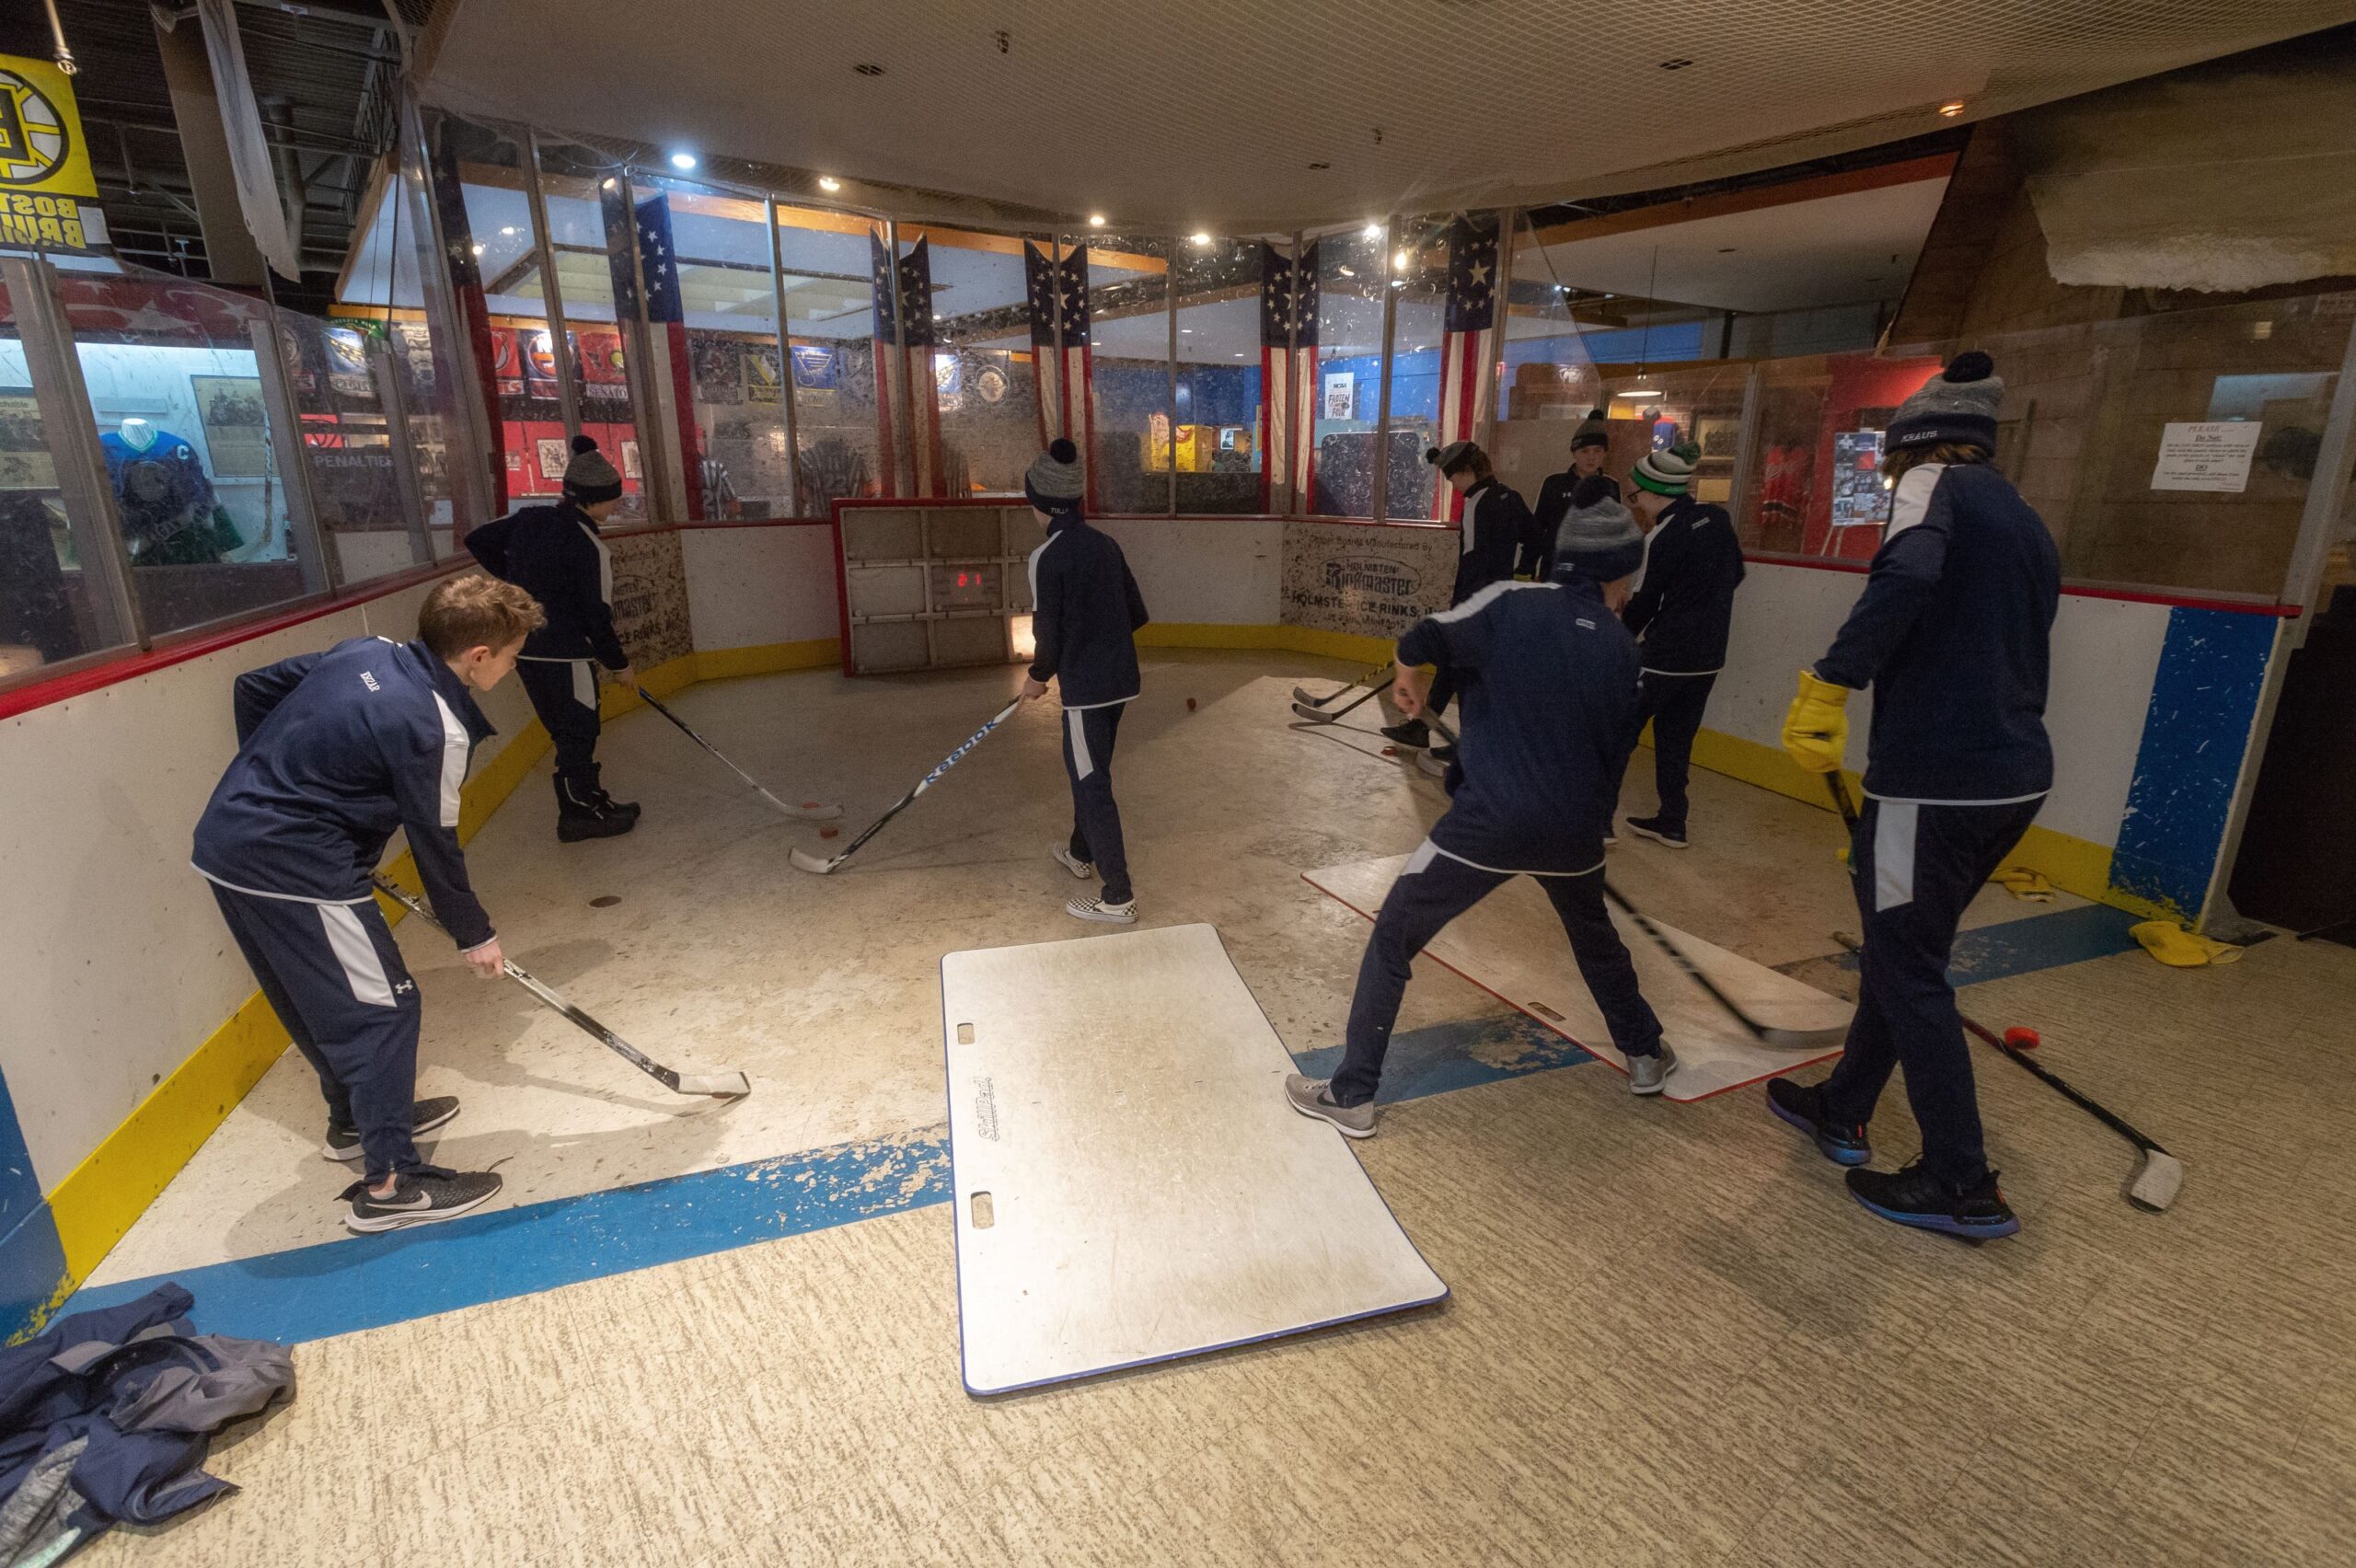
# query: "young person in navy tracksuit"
554 554
1681 614
1952 634
1489 540
1549 677
335 751
1591 444
1085 610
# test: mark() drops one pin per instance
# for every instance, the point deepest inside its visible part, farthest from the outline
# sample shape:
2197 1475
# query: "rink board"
1129 1183
1511 945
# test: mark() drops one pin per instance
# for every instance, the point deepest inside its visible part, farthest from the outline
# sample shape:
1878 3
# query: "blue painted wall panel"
2212 669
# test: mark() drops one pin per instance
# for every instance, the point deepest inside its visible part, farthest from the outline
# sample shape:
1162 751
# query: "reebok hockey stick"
1300 694
808 811
1766 1035
722 1086
2161 1174
805 861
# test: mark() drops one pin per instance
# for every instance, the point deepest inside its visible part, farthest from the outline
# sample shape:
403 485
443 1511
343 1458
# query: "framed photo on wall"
236 430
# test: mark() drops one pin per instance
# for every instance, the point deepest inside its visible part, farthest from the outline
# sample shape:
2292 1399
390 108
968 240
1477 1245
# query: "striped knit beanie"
1454 456
1598 537
1956 405
1055 482
590 478
1666 473
1592 432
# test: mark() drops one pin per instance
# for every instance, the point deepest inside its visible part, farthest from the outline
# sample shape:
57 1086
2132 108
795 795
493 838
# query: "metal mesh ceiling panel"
1251 114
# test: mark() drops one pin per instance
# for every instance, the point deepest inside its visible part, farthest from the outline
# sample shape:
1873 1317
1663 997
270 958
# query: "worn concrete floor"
1672 1339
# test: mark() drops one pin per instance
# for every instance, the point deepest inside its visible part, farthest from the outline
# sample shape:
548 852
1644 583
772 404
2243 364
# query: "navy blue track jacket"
1549 682
336 750
1546 520
1684 608
1952 633
1085 613
1495 526
554 554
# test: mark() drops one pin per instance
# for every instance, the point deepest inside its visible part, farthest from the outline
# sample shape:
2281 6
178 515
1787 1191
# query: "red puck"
828 831
2021 1037
1190 705
1390 751
810 806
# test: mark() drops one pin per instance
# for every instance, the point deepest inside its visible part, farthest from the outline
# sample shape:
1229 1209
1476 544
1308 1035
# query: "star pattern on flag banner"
887 308
1074 278
1040 275
916 294
1471 274
659 261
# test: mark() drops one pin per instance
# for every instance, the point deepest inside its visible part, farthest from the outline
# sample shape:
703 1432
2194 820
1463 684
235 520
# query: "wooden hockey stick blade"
805 861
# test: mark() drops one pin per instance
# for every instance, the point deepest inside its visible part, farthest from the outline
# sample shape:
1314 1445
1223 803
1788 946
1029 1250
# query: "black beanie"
589 477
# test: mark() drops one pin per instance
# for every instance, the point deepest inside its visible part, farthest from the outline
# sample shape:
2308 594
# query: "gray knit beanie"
1055 482
1956 405
1454 456
589 477
1598 536
1592 432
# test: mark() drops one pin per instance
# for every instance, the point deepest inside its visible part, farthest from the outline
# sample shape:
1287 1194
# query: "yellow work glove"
1816 730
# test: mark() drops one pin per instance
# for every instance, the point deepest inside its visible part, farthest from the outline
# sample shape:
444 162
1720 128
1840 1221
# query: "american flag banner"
1066 380
1467 379
667 315
1287 372
904 361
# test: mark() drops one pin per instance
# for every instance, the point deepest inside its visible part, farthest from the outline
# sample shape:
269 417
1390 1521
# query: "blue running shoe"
1803 1106
1913 1197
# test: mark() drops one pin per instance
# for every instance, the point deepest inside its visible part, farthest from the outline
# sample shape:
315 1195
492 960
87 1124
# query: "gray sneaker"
1314 1097
1072 863
1647 1074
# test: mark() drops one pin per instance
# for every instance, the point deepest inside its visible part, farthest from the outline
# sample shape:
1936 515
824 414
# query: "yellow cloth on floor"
2022 882
2179 947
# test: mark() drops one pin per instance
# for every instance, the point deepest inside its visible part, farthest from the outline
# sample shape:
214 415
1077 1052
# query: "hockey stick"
1300 694
1319 716
805 861
2157 1180
1766 1035
722 1085
808 811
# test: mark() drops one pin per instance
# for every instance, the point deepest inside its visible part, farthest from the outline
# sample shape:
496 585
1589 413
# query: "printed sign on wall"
650 597
45 182
2208 455
1375 581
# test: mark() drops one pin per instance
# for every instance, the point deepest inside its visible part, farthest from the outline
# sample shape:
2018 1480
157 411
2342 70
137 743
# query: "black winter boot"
580 815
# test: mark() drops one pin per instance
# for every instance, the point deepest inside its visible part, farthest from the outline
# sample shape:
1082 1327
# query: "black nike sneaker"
1413 734
343 1140
422 1195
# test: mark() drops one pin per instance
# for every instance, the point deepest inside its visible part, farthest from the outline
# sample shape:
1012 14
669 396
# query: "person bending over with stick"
1549 677
1085 610
554 554
1952 634
336 750
1495 526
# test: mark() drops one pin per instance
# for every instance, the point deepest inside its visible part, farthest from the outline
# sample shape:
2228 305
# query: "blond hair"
476 611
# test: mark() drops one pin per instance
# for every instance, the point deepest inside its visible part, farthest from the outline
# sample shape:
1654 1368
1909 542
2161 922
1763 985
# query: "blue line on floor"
367 1282
2033 942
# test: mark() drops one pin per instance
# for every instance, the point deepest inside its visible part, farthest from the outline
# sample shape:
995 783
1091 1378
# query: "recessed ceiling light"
1950 109
1676 64
1399 262
683 160
1095 220
509 231
828 182
1199 238
868 68
1374 231
477 248
1320 166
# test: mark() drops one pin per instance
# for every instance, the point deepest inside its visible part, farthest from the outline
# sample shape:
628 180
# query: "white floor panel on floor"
1511 945
1130 1184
